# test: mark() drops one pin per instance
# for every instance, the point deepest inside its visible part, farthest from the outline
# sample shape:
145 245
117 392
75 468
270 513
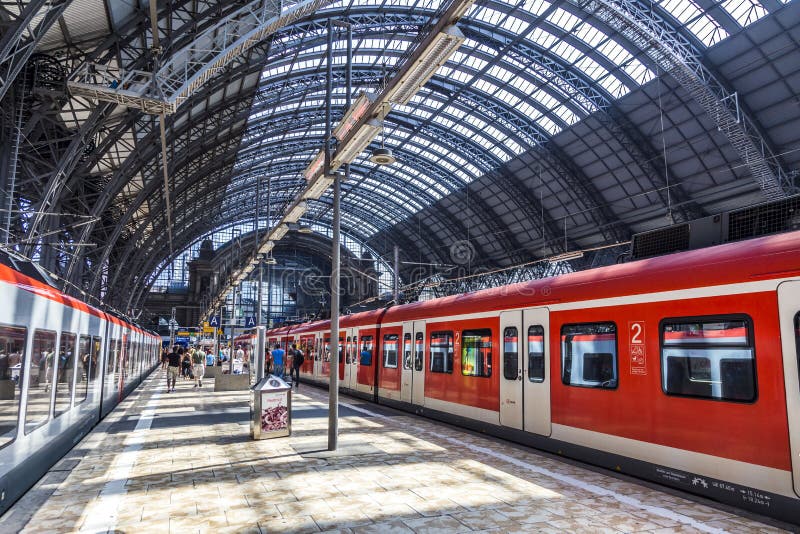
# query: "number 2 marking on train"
637 348
636 333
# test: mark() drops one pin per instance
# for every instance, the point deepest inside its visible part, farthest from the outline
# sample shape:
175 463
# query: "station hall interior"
558 242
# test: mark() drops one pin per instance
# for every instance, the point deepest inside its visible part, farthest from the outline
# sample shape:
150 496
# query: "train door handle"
519 375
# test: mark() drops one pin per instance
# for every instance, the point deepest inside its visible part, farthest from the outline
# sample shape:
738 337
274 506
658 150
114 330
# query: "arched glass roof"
552 126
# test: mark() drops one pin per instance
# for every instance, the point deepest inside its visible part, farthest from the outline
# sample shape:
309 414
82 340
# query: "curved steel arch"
133 166
117 45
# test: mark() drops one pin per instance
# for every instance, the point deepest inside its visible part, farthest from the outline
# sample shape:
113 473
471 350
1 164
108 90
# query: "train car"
63 366
682 369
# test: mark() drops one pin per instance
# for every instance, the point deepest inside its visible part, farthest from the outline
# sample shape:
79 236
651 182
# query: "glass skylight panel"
537 7
566 114
500 154
591 67
525 87
568 52
696 20
506 97
615 52
589 34
485 86
745 12
638 71
614 86
513 24
489 15
500 73
563 19
474 62
542 38
548 125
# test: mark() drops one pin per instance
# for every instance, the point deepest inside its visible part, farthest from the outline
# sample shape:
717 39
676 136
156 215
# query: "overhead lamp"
315 167
382 156
305 229
566 256
357 143
354 114
316 188
278 232
424 67
270 260
295 212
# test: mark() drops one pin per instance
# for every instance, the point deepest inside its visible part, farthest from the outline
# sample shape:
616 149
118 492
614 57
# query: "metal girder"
122 47
223 112
674 53
182 73
19 42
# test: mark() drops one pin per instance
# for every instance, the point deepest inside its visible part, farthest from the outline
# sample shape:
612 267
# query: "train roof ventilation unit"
743 223
763 219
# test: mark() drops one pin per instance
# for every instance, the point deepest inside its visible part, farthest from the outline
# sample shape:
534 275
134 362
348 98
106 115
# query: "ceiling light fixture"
434 56
357 143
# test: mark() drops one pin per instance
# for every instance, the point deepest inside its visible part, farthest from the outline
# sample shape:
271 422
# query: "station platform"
184 462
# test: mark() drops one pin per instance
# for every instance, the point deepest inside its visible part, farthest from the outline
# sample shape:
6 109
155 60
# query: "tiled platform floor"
196 470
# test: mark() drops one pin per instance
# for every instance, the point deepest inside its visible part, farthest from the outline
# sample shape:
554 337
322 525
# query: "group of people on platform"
190 363
276 360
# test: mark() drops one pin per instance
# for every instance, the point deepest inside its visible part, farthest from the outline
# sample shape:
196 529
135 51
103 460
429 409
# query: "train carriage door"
407 359
536 370
348 357
511 369
789 309
418 364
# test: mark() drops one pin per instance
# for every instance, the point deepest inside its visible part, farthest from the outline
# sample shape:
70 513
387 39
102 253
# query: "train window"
441 352
88 365
419 351
348 351
711 358
536 353
476 352
353 351
390 342
366 350
113 355
589 355
510 353
12 363
65 375
42 372
407 351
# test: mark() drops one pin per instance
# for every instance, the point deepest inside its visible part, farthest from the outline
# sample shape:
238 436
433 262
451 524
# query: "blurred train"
681 369
63 366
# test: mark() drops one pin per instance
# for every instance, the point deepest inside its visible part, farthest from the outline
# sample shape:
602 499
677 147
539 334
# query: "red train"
681 369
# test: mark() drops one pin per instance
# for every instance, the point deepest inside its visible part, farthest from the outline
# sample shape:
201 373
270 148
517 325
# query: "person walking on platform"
164 357
199 366
277 360
186 365
297 361
173 367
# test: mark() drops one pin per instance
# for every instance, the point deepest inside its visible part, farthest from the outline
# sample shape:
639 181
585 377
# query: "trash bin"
272 408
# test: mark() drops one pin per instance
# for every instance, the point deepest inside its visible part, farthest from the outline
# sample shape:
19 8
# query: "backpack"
298 358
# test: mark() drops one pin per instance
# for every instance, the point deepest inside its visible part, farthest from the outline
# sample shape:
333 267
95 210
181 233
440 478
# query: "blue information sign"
250 322
213 321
